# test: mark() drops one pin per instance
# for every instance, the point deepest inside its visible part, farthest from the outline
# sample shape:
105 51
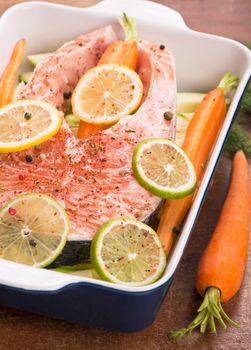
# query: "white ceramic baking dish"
201 60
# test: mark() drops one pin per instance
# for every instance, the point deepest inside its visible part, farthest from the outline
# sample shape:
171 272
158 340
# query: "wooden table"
19 330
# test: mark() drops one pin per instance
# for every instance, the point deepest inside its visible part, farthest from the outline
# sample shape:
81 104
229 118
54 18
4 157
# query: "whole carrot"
199 140
121 51
222 265
8 79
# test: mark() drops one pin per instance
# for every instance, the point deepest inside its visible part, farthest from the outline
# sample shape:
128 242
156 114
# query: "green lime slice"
128 252
163 168
33 230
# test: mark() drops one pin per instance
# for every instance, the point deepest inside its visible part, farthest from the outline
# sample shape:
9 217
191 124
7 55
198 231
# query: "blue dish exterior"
91 305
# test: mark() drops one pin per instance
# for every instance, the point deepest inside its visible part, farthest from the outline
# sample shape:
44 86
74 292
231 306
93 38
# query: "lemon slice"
27 123
107 93
33 230
163 168
126 251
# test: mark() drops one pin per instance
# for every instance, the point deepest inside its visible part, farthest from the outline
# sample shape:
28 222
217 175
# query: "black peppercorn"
162 47
27 115
28 158
32 242
168 115
67 95
177 230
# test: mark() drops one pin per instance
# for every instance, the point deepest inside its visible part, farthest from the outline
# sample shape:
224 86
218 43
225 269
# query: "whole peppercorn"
29 158
177 230
27 115
168 115
162 47
12 211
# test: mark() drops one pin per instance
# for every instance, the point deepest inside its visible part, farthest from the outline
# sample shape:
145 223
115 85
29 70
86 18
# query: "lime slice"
163 168
126 251
33 230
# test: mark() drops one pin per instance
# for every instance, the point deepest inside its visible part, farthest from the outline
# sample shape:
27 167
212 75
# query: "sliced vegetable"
36 59
163 168
72 120
25 77
33 229
200 138
187 102
128 252
222 265
19 88
8 79
27 123
82 270
121 52
182 123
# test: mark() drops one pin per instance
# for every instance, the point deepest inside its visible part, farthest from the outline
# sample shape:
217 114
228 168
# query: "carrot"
222 265
121 51
8 79
199 140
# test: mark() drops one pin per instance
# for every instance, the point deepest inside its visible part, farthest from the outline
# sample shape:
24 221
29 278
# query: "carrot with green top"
222 265
8 79
122 52
199 140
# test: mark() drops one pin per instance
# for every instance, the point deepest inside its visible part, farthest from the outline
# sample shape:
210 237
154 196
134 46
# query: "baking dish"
201 60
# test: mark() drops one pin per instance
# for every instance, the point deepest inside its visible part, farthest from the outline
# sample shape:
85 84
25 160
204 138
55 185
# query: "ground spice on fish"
21 177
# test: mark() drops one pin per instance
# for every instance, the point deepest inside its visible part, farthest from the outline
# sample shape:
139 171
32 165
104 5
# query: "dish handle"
144 9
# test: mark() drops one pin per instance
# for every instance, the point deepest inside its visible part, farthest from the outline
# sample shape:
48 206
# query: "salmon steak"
93 178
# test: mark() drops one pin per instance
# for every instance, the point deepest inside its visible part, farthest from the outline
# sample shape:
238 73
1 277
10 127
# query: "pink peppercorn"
21 177
12 211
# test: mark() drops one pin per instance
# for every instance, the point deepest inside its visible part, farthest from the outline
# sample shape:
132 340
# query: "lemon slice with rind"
163 168
107 93
27 123
33 230
128 252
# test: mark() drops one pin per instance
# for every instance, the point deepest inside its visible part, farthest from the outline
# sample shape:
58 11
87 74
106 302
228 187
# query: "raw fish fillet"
93 178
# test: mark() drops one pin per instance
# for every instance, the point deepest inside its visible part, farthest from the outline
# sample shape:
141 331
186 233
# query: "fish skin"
93 178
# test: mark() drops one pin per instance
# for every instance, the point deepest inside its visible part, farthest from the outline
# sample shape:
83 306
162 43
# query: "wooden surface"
19 330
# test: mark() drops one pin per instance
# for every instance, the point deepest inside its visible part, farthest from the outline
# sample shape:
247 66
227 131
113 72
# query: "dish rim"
180 244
